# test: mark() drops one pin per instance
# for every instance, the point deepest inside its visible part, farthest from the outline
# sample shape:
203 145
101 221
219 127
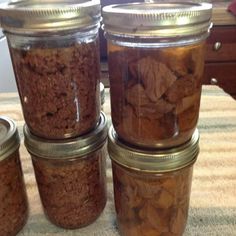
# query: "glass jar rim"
153 160
9 137
67 148
162 19
34 17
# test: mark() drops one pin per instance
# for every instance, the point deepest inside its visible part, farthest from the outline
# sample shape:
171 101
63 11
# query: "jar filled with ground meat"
152 188
13 199
156 63
55 54
71 176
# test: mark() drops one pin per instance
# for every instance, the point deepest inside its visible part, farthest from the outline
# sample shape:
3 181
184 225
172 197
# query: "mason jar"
71 176
55 55
156 62
13 198
152 188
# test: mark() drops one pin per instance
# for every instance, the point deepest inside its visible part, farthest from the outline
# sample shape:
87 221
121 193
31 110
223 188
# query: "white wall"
7 79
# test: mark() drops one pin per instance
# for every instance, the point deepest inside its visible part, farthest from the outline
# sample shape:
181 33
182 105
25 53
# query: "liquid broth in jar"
152 188
156 63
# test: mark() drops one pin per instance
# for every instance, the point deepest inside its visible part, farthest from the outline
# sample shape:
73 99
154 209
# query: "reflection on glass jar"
155 74
71 176
56 64
13 199
152 188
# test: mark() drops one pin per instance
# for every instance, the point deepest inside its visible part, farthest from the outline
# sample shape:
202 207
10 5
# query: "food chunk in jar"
73 193
151 92
58 87
151 204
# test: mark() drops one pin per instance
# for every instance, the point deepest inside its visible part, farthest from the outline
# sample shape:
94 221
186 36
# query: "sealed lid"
161 19
35 16
9 137
67 148
164 160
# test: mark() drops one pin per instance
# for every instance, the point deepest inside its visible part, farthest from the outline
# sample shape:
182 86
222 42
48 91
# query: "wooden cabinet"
220 67
221 44
222 74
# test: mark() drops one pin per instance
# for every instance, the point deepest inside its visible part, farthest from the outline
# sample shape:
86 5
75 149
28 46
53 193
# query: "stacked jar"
54 48
156 63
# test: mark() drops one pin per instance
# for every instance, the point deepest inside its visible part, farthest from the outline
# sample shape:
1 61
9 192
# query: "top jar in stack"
55 55
156 62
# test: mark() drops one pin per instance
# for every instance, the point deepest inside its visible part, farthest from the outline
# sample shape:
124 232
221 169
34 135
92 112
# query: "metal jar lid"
67 148
157 161
9 137
35 16
160 19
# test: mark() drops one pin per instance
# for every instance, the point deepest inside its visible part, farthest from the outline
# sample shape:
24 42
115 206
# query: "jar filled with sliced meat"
152 188
156 63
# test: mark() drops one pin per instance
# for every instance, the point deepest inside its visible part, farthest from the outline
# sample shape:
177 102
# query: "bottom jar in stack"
71 176
13 199
152 188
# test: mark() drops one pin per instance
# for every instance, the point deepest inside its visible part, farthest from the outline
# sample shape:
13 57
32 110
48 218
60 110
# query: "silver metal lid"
35 16
161 19
157 161
9 137
67 148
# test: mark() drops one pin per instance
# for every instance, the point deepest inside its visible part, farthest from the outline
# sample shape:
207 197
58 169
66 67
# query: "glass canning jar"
55 55
13 198
152 188
156 63
71 176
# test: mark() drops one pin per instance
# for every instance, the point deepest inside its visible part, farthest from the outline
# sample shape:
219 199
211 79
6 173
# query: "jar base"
77 226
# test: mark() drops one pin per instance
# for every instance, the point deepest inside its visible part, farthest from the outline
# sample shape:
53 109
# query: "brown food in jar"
73 193
155 93
59 88
13 199
151 204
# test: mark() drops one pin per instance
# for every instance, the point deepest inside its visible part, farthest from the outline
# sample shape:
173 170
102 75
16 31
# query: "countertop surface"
213 198
221 16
